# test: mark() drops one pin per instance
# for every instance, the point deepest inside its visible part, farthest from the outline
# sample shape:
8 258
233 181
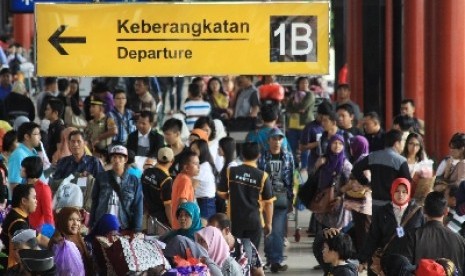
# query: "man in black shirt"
53 113
156 186
373 131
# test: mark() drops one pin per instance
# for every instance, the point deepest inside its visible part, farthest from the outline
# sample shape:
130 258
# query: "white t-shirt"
113 203
207 185
217 159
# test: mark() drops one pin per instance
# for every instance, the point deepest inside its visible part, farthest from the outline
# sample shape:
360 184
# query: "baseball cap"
118 149
275 132
165 155
429 267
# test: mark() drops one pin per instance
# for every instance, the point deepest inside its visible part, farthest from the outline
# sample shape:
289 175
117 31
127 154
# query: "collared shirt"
68 165
399 211
286 173
14 162
143 140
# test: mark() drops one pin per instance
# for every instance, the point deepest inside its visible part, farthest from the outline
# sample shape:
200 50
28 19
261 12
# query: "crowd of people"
85 178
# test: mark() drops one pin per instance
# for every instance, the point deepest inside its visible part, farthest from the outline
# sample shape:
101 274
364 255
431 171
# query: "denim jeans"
274 243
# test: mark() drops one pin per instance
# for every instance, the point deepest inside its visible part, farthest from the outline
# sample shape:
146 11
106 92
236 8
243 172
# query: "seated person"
236 249
212 240
179 245
68 227
188 217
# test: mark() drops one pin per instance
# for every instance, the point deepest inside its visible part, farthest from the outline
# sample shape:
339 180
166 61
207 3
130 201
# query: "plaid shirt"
125 124
287 171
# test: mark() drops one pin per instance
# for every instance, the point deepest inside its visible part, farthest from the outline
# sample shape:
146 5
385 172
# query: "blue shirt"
124 123
261 137
68 165
4 91
14 162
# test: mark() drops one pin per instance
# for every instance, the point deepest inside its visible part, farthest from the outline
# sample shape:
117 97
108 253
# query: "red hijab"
395 184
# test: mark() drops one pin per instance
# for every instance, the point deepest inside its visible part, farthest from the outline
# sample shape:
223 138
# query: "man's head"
29 134
435 205
393 139
275 140
407 107
329 121
194 91
144 122
172 131
208 125
403 123
141 86
24 239
76 143
31 167
345 114
24 197
165 156
250 151
54 110
269 113
118 157
120 98
324 108
343 93
222 222
245 81
51 84
63 86
6 77
189 163
371 123
97 107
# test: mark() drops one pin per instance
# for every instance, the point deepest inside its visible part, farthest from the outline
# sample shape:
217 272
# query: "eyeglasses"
414 144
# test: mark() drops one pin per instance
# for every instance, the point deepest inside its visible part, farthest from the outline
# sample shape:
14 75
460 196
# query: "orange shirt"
182 188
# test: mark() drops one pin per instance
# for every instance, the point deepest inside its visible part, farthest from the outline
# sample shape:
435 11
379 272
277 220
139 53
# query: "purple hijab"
360 148
333 165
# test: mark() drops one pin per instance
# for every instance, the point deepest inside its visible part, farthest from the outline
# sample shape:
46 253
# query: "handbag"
127 254
73 120
379 252
321 202
308 189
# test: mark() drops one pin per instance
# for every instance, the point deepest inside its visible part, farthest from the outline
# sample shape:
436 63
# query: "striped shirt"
194 109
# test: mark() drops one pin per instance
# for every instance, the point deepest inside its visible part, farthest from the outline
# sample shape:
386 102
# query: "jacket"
385 166
383 226
155 139
130 205
287 175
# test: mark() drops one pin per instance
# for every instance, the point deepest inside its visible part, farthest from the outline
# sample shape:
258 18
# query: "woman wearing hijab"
68 227
357 197
387 222
180 245
107 225
212 240
188 216
334 169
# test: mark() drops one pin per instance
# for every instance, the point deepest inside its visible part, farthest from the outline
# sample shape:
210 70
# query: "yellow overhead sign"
149 39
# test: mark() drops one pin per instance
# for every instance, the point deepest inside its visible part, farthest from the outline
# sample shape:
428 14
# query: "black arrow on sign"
56 40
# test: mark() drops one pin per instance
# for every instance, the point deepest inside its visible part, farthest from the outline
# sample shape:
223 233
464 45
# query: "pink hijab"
218 249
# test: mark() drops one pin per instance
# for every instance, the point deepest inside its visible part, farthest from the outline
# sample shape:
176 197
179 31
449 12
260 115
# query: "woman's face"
215 85
337 146
414 146
73 88
74 224
184 219
456 153
401 194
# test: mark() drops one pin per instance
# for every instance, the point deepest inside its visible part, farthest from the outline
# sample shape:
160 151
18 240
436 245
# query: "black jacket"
156 141
433 241
15 105
383 226
348 269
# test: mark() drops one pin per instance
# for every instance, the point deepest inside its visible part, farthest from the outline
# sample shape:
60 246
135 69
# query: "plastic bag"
68 260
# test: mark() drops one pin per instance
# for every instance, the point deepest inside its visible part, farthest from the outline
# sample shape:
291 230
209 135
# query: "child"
183 190
336 251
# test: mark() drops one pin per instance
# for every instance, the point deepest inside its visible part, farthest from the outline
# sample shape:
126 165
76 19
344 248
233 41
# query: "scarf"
395 184
218 249
333 165
194 212
359 147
